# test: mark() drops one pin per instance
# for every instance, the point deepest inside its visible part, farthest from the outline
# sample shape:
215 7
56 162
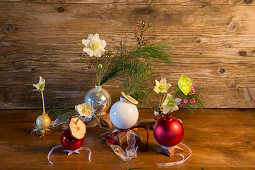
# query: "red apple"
77 128
69 142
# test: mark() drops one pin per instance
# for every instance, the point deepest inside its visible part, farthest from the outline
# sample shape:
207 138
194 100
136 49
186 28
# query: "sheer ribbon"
111 137
76 151
131 150
179 154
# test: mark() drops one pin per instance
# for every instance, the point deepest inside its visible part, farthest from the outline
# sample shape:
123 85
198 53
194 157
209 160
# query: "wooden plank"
40 39
215 136
203 3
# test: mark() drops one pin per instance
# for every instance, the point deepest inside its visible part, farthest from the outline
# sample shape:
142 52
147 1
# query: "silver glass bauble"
99 98
157 113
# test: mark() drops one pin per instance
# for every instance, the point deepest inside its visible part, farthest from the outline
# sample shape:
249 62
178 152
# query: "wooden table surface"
219 138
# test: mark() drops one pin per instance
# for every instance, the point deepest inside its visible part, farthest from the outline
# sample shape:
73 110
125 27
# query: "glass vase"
99 98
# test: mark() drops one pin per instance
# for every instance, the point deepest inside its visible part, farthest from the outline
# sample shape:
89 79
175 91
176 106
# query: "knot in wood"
233 25
8 28
143 10
222 70
198 41
242 53
248 1
202 6
233 84
61 9
147 10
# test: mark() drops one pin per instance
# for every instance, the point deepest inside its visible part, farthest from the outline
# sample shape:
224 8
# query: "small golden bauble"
43 121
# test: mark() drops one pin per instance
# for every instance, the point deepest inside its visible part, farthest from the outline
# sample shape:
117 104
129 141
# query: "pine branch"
135 78
153 52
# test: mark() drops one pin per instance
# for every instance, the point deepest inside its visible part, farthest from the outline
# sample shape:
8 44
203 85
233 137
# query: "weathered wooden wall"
213 43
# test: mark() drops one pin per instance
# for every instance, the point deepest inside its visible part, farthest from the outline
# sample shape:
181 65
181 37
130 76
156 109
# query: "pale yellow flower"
40 85
162 86
170 104
94 46
84 109
185 83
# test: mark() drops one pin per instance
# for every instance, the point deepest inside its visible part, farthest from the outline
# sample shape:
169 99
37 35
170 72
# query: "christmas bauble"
168 131
99 98
70 143
43 121
123 114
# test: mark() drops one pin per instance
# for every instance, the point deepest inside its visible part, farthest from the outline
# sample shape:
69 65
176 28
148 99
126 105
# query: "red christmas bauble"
168 131
70 143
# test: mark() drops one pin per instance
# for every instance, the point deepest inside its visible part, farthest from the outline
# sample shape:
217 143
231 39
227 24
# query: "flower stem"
43 102
171 92
98 73
77 120
99 77
99 123
162 96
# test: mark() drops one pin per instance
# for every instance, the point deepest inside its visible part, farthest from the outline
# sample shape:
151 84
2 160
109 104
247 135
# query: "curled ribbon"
130 149
111 137
76 151
179 154
52 149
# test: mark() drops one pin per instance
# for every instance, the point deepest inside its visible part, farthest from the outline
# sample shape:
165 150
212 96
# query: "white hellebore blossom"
40 86
162 86
84 109
100 66
170 104
94 46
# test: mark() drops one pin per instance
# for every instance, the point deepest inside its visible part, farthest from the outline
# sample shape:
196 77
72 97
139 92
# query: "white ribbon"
131 150
76 151
52 149
89 150
179 154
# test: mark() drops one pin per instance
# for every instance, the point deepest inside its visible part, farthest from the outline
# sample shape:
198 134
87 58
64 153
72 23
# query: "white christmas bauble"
124 114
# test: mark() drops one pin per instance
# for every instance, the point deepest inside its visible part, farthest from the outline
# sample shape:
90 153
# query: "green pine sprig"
153 52
135 78
134 67
116 65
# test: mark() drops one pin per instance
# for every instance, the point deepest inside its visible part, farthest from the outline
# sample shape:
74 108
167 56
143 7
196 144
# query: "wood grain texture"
219 139
213 43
